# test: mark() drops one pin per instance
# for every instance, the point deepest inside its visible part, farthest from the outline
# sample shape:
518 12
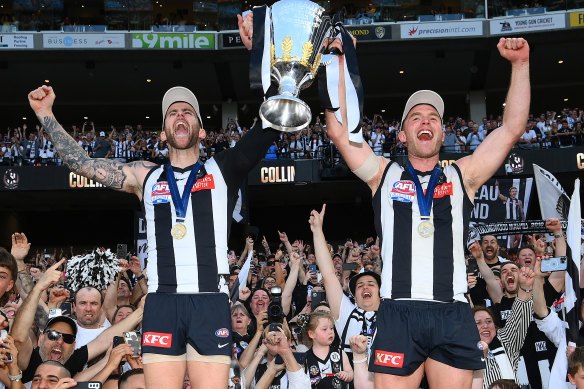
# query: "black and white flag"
241 281
573 237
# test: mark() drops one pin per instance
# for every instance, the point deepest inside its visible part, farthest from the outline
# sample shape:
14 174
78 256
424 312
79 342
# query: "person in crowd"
240 320
326 363
57 342
88 310
538 349
576 368
409 220
501 346
133 379
449 143
474 138
218 180
51 375
264 373
350 318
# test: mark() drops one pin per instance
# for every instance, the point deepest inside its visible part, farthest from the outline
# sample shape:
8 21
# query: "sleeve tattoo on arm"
107 172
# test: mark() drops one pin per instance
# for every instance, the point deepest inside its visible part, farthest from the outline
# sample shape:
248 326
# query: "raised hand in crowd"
57 296
284 239
244 294
116 356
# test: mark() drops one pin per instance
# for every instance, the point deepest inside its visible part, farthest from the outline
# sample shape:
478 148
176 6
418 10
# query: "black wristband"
140 277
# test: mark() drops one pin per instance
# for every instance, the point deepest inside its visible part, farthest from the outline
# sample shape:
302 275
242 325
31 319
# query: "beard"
193 138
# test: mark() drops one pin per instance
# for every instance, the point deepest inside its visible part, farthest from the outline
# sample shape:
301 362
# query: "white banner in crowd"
84 41
501 200
16 41
527 24
441 29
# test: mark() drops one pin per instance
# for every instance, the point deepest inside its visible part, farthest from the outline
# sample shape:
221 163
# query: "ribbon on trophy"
260 61
328 85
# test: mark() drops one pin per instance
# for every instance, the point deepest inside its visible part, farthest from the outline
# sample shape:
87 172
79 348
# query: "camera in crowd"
275 311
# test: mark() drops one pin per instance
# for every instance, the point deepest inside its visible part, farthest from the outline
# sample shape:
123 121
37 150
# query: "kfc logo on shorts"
403 191
222 333
385 358
157 339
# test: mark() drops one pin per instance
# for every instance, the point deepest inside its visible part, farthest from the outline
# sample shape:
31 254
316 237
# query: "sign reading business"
441 29
370 33
16 41
577 19
527 24
84 41
173 41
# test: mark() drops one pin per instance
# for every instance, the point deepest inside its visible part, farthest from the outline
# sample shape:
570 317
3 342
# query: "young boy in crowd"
576 368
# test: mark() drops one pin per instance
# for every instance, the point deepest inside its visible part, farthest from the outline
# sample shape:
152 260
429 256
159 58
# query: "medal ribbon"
181 203
425 200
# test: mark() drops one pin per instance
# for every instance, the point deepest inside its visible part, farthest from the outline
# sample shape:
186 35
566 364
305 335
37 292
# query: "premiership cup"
300 29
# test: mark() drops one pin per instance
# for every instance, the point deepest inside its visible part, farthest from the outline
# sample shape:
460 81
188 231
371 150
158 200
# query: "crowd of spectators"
26 146
303 317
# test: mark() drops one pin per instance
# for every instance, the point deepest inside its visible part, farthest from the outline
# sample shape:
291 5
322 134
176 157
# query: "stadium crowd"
26 146
304 313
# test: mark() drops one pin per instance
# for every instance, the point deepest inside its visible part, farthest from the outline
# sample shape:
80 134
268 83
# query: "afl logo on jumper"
161 191
222 333
403 191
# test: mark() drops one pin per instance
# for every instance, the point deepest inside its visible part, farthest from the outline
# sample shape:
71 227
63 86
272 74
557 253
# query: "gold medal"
425 229
178 231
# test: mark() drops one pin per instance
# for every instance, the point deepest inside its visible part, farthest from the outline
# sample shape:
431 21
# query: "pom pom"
98 269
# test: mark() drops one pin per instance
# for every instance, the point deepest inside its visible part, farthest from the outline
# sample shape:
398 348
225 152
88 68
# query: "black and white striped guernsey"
415 267
198 263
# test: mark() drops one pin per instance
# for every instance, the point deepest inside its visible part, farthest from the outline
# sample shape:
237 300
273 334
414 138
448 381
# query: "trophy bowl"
300 29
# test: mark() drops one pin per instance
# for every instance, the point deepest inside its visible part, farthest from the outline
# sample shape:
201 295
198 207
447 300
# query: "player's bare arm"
486 159
354 154
111 173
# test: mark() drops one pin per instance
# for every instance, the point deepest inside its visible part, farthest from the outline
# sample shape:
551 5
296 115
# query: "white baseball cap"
180 94
424 97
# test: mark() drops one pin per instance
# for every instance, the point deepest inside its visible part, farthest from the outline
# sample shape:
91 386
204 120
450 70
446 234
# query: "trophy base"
286 113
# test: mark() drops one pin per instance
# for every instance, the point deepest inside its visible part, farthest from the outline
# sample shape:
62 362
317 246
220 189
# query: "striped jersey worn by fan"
415 267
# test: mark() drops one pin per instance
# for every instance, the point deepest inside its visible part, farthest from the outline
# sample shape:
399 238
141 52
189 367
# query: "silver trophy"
299 29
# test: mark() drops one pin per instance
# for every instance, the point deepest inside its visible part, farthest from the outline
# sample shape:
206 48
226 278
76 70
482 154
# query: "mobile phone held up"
3 335
554 264
122 252
132 339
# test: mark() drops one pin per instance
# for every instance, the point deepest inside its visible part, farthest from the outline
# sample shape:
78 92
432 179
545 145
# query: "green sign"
173 41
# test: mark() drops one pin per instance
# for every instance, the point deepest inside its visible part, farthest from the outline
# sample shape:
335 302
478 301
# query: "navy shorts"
172 320
409 332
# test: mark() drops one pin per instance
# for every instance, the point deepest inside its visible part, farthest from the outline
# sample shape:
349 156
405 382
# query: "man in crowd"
51 375
57 342
88 309
423 233
187 234
132 379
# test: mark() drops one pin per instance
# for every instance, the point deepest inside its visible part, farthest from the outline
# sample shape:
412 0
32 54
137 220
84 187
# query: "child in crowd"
576 368
326 363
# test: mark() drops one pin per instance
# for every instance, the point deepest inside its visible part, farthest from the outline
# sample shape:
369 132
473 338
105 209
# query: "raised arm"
356 155
113 174
557 278
104 340
290 282
490 154
493 286
25 315
334 290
